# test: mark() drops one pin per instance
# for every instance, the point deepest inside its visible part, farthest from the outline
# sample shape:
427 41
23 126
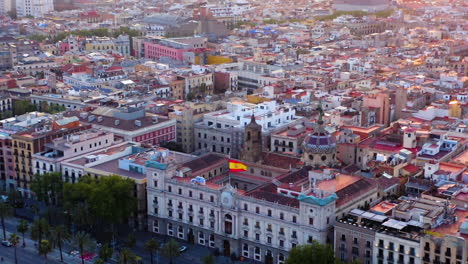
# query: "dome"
319 141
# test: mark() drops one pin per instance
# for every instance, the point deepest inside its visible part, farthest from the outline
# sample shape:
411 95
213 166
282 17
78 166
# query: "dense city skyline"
244 131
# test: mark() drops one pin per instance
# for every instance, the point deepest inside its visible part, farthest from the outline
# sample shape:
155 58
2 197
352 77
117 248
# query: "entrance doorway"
268 257
191 236
227 248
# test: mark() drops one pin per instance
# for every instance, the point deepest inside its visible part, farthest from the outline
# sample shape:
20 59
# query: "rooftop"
118 123
454 227
112 167
83 160
462 158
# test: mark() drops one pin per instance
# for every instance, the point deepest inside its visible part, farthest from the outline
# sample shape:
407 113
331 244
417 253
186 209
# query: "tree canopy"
314 253
92 202
48 187
21 107
172 145
382 14
99 32
52 108
171 250
5 212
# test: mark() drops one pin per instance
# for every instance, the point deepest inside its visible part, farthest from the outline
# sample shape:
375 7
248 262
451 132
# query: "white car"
182 249
7 243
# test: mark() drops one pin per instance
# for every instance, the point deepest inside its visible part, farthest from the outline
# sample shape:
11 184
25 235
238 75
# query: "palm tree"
171 250
81 240
14 240
152 246
131 240
40 230
45 248
58 235
105 253
127 256
23 227
5 212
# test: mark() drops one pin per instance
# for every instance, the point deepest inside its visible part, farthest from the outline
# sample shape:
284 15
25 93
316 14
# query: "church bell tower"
252 150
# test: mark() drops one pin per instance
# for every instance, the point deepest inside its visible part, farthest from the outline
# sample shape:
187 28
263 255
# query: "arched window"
228 224
248 135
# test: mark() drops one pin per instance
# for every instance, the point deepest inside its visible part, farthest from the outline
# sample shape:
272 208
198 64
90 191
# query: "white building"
35 8
223 131
252 223
68 147
394 247
5 6
34 65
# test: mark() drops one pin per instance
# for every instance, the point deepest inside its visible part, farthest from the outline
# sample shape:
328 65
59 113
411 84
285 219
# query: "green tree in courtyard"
21 107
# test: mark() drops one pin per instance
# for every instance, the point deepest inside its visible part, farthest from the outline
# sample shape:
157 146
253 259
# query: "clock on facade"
227 199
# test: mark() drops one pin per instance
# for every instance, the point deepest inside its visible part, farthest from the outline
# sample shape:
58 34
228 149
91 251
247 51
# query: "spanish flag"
235 166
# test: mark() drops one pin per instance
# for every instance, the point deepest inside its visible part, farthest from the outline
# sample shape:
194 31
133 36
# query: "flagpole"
229 175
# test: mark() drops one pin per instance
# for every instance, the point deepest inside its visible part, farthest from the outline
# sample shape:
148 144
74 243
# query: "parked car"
182 249
7 243
88 256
